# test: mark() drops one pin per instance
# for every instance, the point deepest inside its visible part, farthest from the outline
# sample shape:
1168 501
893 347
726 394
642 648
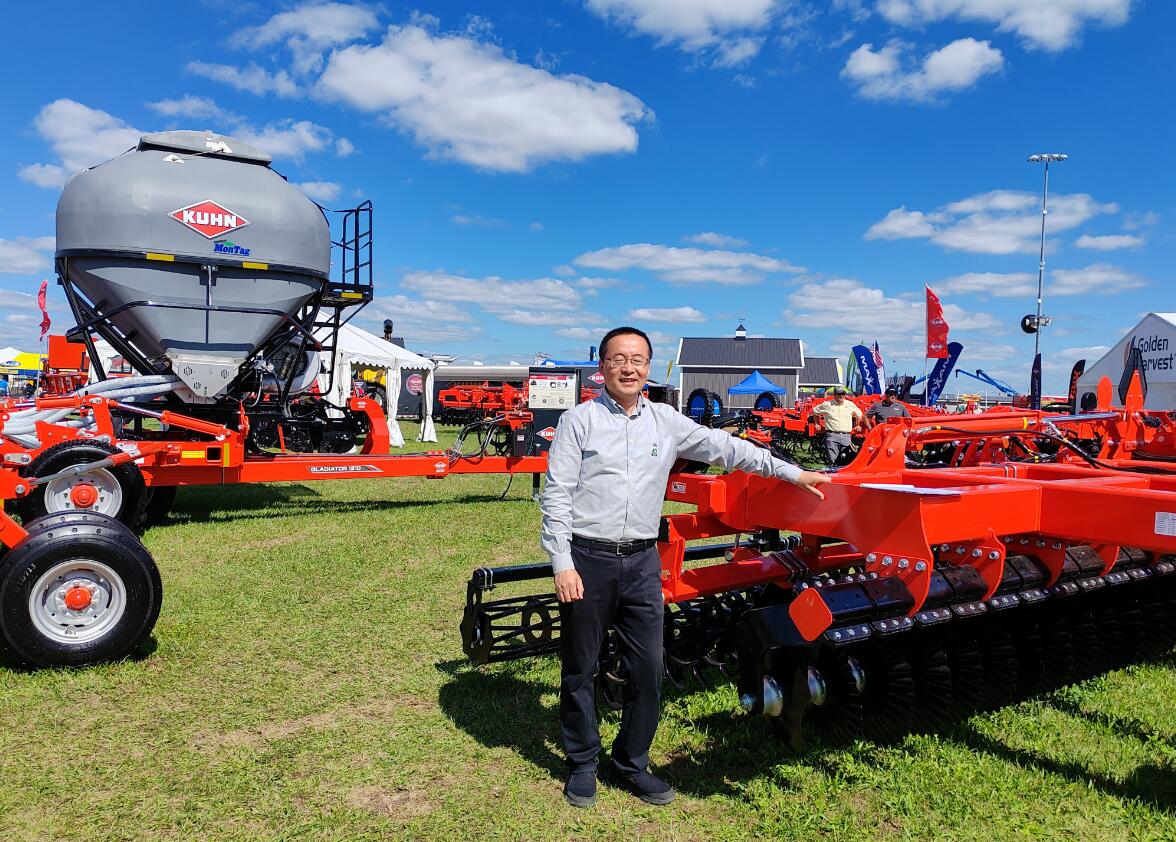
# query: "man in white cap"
841 416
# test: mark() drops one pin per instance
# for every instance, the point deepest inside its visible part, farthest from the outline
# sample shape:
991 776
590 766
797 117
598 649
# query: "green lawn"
307 682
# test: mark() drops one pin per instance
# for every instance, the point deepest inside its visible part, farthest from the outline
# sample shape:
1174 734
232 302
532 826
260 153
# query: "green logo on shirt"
654 451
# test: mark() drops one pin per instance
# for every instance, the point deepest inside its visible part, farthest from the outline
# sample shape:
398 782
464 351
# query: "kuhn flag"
936 328
44 311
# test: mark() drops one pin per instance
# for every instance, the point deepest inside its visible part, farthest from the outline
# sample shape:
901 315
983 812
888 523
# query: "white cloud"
402 307
541 301
564 270
25 255
859 312
466 100
477 220
253 79
727 30
44 175
321 191
193 108
1049 24
344 147
710 238
287 138
900 224
667 314
582 333
536 226
81 137
888 73
1096 278
687 265
996 222
1110 242
310 29
593 285
998 284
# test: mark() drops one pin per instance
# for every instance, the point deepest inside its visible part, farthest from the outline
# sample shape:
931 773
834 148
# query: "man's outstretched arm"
716 447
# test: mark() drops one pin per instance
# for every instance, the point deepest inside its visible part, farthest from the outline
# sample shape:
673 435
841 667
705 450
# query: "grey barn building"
717 363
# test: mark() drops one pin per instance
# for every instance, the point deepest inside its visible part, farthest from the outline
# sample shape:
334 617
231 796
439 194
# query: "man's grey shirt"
607 470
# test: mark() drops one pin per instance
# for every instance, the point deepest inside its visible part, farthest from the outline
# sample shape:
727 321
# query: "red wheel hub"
77 599
83 495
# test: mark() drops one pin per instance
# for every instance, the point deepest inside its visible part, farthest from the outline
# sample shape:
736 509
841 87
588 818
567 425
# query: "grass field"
306 681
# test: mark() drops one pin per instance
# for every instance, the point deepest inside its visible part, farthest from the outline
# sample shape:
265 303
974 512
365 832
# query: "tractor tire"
698 405
380 395
115 492
80 589
156 505
765 401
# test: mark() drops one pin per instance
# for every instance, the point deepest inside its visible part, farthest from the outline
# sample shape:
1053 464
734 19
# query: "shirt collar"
607 399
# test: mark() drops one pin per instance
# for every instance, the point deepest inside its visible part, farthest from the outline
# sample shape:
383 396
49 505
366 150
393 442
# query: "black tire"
380 395
157 504
79 544
67 454
765 401
698 405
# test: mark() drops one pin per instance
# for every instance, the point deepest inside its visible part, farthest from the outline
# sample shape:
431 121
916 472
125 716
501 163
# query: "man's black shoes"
649 788
580 790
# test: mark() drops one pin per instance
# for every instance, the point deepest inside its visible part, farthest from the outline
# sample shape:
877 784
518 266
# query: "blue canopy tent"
756 384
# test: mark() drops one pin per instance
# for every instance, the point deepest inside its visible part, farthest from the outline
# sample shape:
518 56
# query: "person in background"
888 407
841 417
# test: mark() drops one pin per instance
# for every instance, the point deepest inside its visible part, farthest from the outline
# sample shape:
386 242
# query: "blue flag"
867 369
938 377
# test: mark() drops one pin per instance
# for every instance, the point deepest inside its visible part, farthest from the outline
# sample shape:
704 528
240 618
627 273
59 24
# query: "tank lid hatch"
204 143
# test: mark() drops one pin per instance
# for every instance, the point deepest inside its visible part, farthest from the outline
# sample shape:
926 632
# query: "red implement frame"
224 459
881 517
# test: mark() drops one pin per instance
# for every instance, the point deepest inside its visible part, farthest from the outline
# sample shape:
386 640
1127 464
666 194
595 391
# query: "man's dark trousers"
623 592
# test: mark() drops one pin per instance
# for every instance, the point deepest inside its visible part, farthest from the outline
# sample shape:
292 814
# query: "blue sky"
542 171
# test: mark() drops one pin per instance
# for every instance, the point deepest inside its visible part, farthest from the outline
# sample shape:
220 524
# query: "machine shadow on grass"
501 709
1151 784
222 504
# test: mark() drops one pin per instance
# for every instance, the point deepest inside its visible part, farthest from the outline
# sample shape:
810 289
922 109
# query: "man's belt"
613 547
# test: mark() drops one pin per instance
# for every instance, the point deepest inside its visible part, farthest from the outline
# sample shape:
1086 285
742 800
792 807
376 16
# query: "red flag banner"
936 328
44 311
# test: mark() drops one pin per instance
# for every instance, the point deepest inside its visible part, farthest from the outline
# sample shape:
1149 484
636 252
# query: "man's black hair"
622 331
891 391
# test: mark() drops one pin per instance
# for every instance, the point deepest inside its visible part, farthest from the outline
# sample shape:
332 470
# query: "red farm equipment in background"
911 596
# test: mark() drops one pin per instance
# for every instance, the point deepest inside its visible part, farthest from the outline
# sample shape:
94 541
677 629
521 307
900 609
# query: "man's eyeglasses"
619 360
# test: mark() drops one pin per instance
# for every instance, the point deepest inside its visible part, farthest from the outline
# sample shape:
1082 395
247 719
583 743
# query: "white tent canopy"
1155 336
358 347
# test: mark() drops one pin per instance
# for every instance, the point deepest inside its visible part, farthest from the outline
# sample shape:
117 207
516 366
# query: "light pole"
1039 321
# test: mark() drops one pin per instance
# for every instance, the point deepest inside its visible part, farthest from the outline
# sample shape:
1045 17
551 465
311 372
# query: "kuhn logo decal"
208 219
548 434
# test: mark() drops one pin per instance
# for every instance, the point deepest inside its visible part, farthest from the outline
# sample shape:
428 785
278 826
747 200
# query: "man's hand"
569 587
808 480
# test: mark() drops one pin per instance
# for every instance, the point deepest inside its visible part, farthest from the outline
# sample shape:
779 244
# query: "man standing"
606 482
888 407
841 416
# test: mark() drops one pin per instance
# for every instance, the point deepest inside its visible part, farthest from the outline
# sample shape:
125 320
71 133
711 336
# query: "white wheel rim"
59 493
54 618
